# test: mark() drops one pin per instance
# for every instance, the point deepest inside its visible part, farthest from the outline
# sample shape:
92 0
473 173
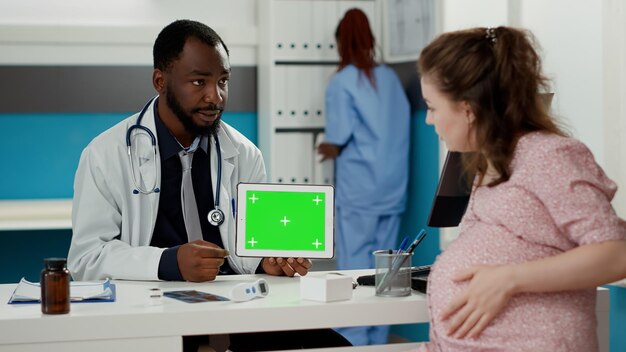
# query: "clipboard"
27 292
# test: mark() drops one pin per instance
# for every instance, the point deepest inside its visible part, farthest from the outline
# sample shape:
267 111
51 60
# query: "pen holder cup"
393 273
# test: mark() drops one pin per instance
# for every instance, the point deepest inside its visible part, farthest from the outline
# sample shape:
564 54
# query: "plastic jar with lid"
55 287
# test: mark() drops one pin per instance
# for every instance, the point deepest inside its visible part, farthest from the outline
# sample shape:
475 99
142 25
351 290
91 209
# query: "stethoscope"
216 216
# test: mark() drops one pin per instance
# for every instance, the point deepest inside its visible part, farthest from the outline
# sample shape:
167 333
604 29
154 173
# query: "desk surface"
131 318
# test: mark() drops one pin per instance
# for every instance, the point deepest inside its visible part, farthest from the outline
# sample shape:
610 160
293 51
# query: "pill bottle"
55 287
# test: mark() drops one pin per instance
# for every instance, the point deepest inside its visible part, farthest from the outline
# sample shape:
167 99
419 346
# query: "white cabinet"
297 56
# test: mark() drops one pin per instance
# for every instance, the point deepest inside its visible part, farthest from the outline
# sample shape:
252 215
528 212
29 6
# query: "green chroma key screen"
285 220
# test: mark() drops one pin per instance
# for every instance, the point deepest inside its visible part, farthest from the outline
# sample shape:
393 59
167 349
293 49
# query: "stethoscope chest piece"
216 217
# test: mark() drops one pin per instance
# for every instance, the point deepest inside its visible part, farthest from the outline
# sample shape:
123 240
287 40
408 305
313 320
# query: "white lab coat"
112 227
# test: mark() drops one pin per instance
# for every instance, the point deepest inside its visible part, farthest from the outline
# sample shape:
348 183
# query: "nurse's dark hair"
497 71
356 43
171 41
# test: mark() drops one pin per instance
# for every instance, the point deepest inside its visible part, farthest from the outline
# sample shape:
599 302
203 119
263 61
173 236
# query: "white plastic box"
326 287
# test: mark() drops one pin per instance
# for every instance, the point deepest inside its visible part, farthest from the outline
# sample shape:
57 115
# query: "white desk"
130 325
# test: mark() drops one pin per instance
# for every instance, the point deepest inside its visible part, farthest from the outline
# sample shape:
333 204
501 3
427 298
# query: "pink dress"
556 199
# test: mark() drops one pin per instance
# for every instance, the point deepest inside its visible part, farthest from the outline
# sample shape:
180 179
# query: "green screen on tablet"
285 220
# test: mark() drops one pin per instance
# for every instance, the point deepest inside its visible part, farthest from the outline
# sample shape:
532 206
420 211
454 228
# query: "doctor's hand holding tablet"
200 261
286 266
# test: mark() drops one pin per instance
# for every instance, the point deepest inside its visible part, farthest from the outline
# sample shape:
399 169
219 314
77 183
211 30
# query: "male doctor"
130 219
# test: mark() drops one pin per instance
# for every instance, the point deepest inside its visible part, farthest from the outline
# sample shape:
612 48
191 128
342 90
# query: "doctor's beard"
187 120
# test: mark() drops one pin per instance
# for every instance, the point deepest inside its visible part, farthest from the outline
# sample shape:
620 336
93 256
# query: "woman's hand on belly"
489 290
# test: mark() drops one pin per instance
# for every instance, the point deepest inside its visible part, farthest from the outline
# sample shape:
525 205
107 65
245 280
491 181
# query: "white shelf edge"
621 283
54 214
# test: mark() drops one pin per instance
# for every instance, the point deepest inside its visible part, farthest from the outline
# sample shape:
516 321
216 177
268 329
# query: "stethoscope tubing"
139 126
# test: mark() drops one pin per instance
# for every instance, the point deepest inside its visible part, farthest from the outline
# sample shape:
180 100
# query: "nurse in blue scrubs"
367 133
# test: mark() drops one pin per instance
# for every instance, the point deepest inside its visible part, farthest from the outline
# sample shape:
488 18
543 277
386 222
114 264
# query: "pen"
403 245
397 264
232 201
420 236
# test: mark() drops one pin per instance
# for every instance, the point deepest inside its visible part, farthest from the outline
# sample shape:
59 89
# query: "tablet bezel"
329 216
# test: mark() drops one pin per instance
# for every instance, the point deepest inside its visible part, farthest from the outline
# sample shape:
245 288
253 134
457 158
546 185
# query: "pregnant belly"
482 244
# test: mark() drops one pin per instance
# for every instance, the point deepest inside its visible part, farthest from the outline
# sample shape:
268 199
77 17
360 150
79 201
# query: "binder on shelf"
279 105
28 292
294 158
319 31
323 171
329 23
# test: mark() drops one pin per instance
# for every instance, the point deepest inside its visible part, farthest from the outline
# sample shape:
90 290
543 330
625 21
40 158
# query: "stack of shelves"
297 57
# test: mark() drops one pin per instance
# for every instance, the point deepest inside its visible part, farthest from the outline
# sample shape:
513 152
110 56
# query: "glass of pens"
393 273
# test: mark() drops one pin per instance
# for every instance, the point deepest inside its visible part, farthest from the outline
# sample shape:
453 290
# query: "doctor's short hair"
171 41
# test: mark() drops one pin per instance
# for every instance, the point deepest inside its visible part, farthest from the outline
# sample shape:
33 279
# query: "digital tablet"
285 220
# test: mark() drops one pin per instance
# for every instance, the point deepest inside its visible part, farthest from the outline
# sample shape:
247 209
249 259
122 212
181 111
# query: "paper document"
27 291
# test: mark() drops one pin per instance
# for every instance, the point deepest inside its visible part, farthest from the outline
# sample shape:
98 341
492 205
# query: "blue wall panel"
617 319
23 252
424 175
40 152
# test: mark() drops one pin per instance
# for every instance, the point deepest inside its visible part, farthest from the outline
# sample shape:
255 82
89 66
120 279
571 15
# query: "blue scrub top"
372 124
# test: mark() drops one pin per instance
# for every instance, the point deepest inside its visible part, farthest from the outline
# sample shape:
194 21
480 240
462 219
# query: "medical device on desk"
248 290
216 216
